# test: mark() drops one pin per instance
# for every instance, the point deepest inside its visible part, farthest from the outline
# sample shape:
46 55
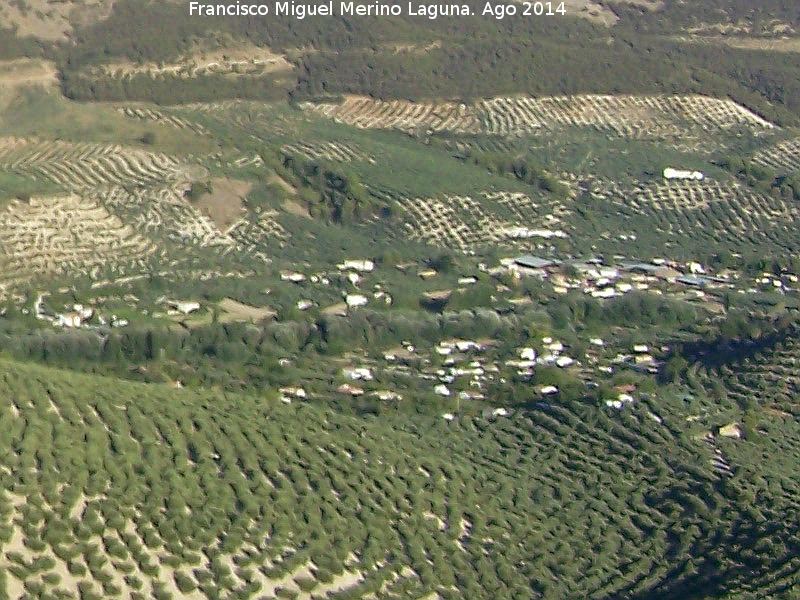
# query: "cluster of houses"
461 370
352 270
74 315
599 280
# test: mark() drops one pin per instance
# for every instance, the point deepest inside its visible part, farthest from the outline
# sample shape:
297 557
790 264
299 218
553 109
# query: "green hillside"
129 489
400 308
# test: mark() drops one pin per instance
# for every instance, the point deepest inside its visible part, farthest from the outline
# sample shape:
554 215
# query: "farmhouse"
292 276
354 300
533 262
355 373
660 271
386 395
670 173
531 266
184 306
352 390
357 265
72 319
693 280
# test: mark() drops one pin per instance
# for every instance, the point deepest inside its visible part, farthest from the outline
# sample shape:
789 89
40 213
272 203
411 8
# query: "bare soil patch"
234 60
280 181
295 208
238 311
783 44
25 72
225 204
592 11
600 13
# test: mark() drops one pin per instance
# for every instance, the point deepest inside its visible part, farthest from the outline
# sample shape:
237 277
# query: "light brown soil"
238 311
233 60
25 72
225 204
277 180
295 208
600 13
339 308
784 44
588 9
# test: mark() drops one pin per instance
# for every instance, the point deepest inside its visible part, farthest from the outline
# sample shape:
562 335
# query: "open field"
224 204
784 158
242 60
779 44
236 311
81 167
466 224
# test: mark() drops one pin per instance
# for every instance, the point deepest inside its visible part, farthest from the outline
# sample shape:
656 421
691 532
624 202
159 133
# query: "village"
458 373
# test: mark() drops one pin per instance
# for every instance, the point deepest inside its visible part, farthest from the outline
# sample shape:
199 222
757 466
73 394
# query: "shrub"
185 583
306 584
133 582
76 568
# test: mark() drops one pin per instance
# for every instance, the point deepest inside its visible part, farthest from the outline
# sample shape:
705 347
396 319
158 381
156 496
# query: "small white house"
365 266
72 319
564 361
292 276
356 373
185 306
354 300
670 173
304 304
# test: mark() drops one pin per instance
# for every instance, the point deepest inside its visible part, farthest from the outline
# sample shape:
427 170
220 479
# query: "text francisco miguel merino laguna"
300 11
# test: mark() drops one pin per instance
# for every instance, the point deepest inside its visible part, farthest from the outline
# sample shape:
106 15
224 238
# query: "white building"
670 173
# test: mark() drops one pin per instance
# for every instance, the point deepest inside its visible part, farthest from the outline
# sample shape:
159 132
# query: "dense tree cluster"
521 169
786 186
341 196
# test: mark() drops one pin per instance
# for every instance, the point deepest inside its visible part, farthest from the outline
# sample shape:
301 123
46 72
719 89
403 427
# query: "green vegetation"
457 493
520 169
342 196
478 57
258 348
765 179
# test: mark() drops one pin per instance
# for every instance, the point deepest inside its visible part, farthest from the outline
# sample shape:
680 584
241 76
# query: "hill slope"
127 489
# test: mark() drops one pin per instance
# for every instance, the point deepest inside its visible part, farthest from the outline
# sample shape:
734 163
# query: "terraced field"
120 206
163 211
196 495
720 214
85 166
767 378
334 151
467 224
68 236
783 158
157 116
624 116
